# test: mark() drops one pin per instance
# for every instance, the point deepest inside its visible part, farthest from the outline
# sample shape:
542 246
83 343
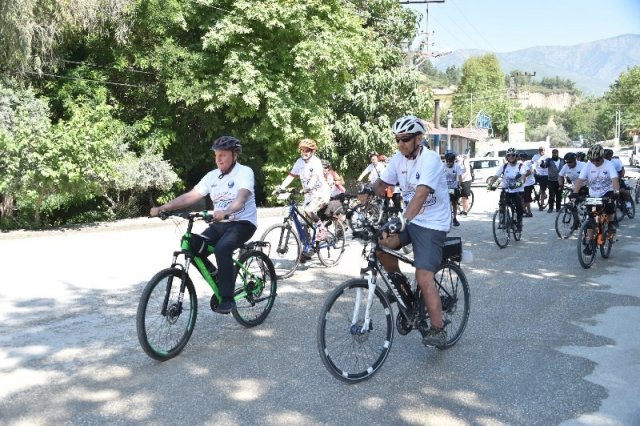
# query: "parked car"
484 167
624 154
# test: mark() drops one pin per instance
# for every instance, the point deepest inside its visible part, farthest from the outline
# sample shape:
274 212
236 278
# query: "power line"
472 26
113 83
107 67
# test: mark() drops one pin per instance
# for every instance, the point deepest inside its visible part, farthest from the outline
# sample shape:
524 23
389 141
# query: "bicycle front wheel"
165 321
587 243
355 331
500 229
330 250
517 234
566 221
605 248
284 249
255 290
454 295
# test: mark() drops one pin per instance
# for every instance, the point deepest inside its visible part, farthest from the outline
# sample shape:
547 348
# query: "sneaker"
550 211
435 337
226 306
304 256
528 215
519 227
463 213
455 222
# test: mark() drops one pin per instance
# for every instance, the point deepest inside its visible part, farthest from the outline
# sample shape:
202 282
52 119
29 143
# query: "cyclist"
528 184
602 179
231 188
541 173
334 180
453 173
421 177
571 169
374 169
465 186
513 178
582 157
617 163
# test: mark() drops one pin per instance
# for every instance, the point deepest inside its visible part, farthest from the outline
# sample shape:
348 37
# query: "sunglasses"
405 139
305 150
511 155
599 159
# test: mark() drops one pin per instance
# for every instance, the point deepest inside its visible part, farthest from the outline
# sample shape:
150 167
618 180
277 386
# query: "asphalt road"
547 341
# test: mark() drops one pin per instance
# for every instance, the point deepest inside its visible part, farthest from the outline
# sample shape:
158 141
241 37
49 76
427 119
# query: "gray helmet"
227 143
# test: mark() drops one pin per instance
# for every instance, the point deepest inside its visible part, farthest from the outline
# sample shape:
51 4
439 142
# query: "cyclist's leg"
464 193
228 237
527 200
610 210
393 241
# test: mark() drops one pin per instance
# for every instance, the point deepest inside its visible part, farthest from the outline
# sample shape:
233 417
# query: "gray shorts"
427 246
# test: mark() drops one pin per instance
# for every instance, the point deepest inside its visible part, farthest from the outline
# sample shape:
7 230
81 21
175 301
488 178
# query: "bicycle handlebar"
206 215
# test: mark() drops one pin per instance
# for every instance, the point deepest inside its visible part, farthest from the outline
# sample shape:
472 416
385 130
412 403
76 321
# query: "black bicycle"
570 217
356 324
505 221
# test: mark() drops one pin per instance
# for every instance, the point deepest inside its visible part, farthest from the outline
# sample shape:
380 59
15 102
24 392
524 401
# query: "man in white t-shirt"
231 188
465 186
453 174
421 178
541 173
601 177
617 164
315 187
374 169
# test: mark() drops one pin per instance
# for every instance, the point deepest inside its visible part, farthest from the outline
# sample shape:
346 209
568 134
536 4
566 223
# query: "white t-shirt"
426 169
375 171
466 169
571 174
617 163
452 174
598 178
538 160
509 176
526 166
312 178
223 190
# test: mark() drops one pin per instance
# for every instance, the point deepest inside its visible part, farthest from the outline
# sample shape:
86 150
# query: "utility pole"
616 140
427 53
515 80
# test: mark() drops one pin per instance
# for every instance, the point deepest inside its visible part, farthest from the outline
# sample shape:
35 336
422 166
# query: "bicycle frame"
295 214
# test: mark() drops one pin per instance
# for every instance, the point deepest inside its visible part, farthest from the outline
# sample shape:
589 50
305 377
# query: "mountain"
592 66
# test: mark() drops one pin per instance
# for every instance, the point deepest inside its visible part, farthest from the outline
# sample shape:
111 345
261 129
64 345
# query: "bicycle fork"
356 329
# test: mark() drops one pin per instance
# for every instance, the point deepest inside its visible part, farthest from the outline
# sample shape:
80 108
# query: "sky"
508 25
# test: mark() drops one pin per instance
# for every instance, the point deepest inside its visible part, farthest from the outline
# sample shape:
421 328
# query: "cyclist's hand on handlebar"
277 191
573 196
394 226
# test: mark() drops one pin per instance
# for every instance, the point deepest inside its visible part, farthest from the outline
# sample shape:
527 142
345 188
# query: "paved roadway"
547 342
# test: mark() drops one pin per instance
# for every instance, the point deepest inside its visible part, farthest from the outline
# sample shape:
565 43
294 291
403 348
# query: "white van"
634 159
484 167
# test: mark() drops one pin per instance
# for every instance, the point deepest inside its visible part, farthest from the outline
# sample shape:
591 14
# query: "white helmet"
408 124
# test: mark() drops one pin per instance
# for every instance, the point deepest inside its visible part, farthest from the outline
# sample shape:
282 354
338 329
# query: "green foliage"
556 134
436 78
625 94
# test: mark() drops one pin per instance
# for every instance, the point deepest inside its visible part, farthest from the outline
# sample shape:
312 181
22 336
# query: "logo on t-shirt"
417 175
230 184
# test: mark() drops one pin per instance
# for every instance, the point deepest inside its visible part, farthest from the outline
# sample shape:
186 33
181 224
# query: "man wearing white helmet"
421 177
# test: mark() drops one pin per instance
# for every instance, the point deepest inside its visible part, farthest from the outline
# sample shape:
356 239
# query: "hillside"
592 66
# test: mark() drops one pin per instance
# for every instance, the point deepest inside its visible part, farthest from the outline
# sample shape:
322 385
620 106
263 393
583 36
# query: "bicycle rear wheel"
255 291
351 346
284 249
164 324
500 229
587 244
631 211
470 200
454 296
566 221
517 234
330 250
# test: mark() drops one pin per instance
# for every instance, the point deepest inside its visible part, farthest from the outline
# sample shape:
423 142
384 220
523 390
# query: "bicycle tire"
470 199
542 202
162 337
256 280
347 353
500 230
605 247
619 211
453 288
330 250
631 211
513 215
566 222
284 248
586 260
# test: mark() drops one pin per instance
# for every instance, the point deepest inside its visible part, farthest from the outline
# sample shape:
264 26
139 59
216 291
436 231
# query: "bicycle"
505 221
470 199
356 327
570 217
297 237
536 195
168 305
622 210
369 207
594 232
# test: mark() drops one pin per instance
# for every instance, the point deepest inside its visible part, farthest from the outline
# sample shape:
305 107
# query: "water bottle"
404 288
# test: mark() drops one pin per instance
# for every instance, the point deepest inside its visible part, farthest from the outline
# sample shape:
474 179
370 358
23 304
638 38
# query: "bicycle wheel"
454 296
605 248
164 323
637 191
500 229
255 289
353 346
541 199
517 235
284 249
587 245
566 222
331 249
631 211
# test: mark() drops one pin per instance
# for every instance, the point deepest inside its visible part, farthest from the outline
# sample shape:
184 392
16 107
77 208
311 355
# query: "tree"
625 94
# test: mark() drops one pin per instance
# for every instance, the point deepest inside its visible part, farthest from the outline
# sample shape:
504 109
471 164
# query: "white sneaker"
629 205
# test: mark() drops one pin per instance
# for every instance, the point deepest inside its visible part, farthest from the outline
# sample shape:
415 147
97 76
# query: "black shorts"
465 189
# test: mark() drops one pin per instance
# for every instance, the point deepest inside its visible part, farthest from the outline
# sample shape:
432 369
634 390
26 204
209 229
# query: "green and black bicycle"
168 306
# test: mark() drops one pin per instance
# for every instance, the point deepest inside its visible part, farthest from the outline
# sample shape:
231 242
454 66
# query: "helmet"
325 164
227 143
570 156
309 144
450 156
608 153
523 155
581 156
511 151
408 124
595 151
